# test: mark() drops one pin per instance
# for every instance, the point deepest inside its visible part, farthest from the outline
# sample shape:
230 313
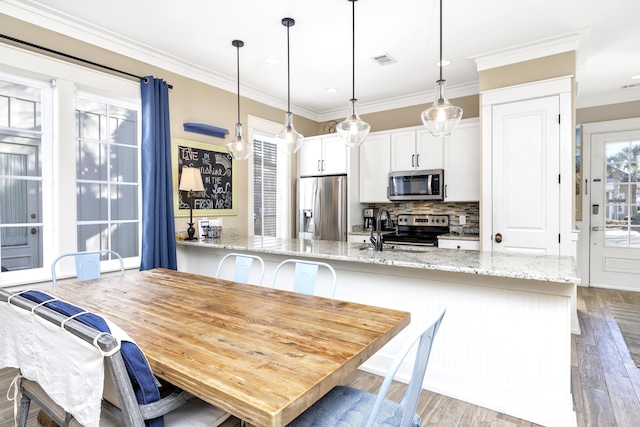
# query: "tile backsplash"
454 209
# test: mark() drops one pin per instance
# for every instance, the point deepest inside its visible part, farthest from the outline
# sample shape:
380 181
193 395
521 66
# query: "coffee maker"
369 215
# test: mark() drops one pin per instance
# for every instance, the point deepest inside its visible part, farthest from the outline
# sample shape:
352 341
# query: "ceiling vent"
631 86
385 59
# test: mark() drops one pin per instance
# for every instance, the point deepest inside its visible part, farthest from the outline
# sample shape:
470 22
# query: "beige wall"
548 67
603 113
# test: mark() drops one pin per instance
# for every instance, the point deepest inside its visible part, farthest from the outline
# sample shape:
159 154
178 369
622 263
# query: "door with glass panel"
614 208
20 177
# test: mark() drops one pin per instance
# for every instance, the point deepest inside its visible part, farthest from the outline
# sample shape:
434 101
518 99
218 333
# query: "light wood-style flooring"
605 381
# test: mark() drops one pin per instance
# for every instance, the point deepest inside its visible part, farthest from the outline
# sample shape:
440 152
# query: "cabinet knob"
498 238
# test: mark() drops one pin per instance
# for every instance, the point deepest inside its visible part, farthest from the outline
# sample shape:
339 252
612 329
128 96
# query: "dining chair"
346 406
305 275
87 264
242 269
67 356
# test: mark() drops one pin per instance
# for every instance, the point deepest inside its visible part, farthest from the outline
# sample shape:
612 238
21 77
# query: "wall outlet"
463 219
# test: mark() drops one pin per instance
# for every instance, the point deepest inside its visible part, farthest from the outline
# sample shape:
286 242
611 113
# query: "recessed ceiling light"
636 77
331 90
445 62
272 60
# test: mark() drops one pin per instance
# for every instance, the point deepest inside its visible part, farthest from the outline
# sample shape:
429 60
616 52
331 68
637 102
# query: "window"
269 180
69 165
107 177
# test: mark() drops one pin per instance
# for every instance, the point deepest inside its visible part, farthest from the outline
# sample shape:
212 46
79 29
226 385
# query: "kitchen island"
505 342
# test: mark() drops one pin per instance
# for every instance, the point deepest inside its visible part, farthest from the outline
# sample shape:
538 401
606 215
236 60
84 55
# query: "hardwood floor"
605 381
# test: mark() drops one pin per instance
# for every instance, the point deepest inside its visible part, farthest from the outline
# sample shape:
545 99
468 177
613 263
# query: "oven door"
416 185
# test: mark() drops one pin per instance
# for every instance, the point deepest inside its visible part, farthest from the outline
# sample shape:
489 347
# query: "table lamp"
191 181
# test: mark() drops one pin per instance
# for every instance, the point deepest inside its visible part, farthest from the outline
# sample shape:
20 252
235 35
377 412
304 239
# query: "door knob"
498 238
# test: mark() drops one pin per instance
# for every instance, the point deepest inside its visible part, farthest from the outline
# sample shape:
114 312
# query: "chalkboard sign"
216 167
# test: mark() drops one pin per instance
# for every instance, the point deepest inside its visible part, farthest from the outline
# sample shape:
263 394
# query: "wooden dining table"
262 354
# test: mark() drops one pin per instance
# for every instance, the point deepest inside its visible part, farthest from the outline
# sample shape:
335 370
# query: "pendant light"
441 118
288 140
239 147
353 130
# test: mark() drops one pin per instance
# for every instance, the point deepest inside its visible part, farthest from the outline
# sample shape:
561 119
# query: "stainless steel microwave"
416 185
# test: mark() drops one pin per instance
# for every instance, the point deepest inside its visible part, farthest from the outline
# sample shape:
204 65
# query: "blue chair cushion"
345 406
142 379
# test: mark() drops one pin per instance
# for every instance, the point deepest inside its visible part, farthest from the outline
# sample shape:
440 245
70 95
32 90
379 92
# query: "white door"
614 207
525 176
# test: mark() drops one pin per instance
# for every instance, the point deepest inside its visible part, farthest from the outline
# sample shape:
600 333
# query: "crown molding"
527 51
403 101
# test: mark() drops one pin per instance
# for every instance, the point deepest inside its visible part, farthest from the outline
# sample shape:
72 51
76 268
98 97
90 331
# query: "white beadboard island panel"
505 342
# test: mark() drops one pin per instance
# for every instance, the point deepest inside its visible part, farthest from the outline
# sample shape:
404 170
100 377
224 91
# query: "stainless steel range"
418 229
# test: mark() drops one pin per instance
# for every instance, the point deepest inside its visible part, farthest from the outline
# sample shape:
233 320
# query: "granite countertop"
497 264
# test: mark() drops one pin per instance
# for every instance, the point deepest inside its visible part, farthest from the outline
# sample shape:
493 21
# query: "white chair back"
243 266
305 275
87 264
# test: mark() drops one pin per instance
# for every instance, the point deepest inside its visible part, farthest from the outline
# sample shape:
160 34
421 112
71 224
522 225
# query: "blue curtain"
158 227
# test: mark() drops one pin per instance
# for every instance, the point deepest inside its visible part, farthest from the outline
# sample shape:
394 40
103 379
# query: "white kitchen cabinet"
322 155
358 238
374 168
462 163
415 149
459 244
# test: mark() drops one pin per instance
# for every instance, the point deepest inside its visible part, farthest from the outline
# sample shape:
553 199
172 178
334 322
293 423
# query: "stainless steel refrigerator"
322 208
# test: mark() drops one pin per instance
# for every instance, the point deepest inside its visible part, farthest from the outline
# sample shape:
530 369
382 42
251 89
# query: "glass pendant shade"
289 140
353 130
441 118
239 148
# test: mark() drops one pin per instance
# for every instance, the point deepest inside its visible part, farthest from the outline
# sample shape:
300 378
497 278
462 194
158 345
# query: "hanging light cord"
353 49
440 40
288 72
238 63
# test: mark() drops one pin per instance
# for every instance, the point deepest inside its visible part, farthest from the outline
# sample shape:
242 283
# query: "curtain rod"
66 55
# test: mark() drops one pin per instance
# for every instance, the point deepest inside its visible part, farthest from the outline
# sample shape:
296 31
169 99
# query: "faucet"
377 241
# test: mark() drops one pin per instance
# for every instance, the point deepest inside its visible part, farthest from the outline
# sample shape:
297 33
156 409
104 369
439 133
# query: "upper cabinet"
374 168
462 163
415 149
322 155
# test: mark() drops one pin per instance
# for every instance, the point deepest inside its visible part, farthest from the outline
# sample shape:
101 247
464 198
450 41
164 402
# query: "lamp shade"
239 147
289 140
353 130
441 118
191 180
